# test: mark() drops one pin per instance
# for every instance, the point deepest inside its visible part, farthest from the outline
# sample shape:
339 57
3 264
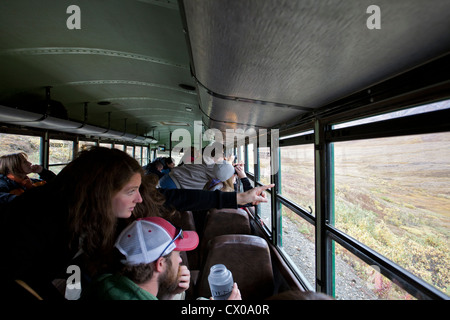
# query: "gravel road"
301 250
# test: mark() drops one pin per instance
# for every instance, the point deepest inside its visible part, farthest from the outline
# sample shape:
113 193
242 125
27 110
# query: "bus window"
298 241
130 150
251 158
83 145
356 280
60 154
138 154
392 194
264 165
106 145
145 156
119 146
297 175
264 211
240 154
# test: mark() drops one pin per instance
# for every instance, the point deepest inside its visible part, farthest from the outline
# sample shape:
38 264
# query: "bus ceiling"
145 68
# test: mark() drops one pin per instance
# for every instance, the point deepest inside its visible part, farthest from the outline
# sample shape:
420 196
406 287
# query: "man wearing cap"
151 249
151 263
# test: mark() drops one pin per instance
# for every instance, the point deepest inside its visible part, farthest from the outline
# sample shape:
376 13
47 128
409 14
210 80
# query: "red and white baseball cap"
145 240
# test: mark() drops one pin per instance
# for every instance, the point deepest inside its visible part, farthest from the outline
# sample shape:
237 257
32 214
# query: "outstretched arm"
253 196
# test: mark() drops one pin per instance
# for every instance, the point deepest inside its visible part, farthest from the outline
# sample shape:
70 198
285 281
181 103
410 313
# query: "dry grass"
392 195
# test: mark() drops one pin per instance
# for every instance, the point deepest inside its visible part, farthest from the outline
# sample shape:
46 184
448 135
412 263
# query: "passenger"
240 172
14 180
150 263
78 212
155 168
150 266
190 176
226 177
169 164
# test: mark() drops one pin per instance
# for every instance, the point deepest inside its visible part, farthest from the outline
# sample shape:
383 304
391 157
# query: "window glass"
130 150
298 241
83 145
145 156
265 209
393 194
119 146
106 145
60 154
297 175
356 280
264 165
137 154
14 143
251 158
441 105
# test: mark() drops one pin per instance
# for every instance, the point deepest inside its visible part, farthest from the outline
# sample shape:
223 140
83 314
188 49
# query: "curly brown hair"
89 183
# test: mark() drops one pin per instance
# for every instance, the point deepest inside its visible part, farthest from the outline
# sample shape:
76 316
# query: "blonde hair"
228 185
12 164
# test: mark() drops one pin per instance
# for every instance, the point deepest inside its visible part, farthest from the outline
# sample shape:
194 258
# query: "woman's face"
125 200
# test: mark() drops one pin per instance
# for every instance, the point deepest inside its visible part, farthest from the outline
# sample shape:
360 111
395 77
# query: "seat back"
221 222
248 259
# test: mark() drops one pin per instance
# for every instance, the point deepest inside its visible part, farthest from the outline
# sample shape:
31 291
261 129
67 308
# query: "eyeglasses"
179 235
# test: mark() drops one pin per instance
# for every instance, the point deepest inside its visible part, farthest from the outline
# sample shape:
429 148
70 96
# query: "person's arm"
192 200
44 174
254 196
246 185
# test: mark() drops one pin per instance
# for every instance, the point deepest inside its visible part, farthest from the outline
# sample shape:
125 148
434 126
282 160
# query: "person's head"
100 185
170 163
16 164
159 166
225 172
151 249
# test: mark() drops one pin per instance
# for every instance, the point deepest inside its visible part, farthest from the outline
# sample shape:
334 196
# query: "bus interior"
329 88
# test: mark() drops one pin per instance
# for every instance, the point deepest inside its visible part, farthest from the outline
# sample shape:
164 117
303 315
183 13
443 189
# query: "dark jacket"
7 185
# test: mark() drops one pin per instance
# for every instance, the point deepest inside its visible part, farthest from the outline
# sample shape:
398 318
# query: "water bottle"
220 282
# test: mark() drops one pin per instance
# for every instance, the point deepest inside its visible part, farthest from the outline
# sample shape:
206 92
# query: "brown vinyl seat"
248 258
221 222
183 220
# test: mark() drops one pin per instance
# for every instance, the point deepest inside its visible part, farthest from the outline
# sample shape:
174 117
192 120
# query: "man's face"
168 281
